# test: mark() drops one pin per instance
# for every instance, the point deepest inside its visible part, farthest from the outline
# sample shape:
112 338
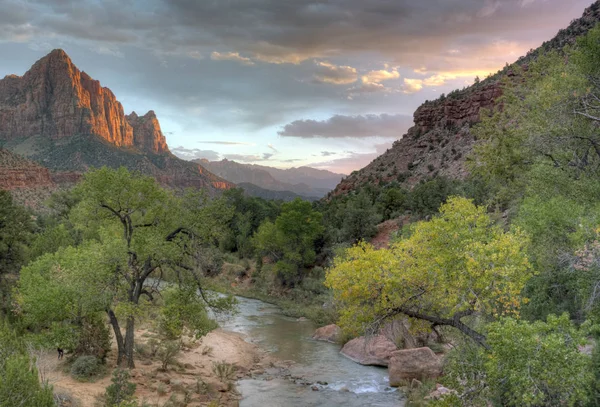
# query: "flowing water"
338 380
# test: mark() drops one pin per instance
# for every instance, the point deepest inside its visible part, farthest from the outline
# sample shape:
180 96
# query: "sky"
325 83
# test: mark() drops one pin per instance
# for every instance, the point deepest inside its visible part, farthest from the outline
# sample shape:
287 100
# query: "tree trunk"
129 338
118 336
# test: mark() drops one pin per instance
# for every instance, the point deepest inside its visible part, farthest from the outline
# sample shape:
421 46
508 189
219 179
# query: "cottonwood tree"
143 232
456 265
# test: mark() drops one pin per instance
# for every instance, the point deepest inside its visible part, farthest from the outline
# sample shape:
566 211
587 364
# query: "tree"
458 264
16 227
360 218
144 231
290 241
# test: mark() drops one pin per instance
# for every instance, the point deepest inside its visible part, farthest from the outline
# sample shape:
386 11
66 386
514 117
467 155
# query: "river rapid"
326 378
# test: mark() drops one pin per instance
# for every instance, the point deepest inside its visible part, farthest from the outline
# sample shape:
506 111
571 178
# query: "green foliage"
249 214
290 241
534 364
19 381
183 308
121 391
529 364
167 353
16 228
85 368
460 262
360 218
133 230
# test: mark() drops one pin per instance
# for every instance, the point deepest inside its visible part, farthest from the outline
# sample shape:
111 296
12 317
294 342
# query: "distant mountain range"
64 120
303 181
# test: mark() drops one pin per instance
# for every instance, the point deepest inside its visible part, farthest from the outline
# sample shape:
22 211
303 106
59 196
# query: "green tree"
144 231
290 241
458 264
16 227
360 218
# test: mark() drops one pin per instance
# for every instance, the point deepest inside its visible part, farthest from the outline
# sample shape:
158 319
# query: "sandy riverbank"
190 382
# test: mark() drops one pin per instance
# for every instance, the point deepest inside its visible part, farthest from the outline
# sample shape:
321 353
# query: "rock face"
17 172
329 333
66 121
440 140
408 364
54 99
146 132
373 351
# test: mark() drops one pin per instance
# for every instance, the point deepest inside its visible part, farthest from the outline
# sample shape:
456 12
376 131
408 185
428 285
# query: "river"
342 382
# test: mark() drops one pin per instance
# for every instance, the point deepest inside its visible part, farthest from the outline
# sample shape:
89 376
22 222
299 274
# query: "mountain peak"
55 100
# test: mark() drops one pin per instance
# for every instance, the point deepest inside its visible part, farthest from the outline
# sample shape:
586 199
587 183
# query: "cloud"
412 85
227 143
272 148
248 158
379 76
334 74
327 153
195 153
340 126
352 160
440 79
230 56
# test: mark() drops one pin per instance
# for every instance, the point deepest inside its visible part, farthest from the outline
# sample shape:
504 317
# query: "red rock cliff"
55 99
147 134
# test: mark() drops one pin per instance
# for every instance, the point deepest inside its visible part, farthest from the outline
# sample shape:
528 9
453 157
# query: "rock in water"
408 364
329 333
372 351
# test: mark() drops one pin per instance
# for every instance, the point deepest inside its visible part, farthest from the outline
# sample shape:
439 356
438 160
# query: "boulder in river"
374 351
408 364
329 333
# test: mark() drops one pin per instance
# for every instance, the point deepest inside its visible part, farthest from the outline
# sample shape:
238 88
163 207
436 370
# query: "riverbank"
191 381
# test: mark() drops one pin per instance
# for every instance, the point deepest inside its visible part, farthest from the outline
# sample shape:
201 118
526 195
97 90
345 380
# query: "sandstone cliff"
440 140
66 121
54 99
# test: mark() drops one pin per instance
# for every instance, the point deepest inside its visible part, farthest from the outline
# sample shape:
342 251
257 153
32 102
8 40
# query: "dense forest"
502 265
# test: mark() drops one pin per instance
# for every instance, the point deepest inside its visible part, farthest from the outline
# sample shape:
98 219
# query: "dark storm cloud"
292 31
339 126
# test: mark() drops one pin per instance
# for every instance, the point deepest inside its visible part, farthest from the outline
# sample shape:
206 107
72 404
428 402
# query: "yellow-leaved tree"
458 264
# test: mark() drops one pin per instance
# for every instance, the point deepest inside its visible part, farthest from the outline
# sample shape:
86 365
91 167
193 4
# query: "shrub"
224 371
168 352
85 368
94 338
120 392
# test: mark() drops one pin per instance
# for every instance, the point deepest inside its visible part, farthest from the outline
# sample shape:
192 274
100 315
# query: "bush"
19 380
120 392
224 371
94 338
85 368
529 364
168 353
